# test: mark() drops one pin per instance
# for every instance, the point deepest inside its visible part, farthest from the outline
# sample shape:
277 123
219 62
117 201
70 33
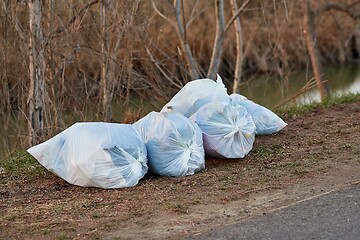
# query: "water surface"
275 91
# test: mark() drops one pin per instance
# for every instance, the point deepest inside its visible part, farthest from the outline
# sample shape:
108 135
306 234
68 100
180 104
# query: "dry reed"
147 62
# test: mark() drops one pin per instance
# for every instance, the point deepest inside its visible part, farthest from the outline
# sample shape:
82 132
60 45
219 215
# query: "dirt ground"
316 153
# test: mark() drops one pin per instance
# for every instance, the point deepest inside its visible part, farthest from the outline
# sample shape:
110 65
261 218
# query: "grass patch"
10 218
348 98
179 208
96 216
266 152
345 146
294 111
21 164
284 165
301 172
62 236
46 231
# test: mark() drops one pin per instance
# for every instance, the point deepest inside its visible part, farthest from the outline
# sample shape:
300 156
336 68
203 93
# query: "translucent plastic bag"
174 144
104 155
265 120
228 130
195 94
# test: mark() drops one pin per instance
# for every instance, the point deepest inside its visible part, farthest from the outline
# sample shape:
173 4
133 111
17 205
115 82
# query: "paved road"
335 215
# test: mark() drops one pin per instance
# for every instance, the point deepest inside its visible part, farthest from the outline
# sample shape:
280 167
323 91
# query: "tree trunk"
181 29
219 38
311 44
357 36
5 93
53 73
105 81
239 48
36 73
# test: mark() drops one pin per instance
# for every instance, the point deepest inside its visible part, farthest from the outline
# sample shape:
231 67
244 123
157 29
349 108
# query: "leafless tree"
310 17
221 29
239 44
5 24
181 26
106 91
36 72
312 46
219 39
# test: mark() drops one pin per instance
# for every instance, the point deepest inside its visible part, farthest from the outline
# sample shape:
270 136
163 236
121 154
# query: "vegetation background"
132 54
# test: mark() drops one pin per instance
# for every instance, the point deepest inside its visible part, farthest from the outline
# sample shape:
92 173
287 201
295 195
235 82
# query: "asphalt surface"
335 215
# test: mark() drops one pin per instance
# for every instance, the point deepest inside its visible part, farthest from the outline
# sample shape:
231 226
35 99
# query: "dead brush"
131 116
144 54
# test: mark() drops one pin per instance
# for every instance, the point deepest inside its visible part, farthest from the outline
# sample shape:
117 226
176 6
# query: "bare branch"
219 38
235 15
311 43
180 27
162 15
161 70
239 48
193 10
192 64
193 16
72 20
183 18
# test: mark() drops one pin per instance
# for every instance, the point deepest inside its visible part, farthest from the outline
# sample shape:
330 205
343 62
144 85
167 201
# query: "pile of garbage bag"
104 155
174 144
201 119
196 94
266 121
228 129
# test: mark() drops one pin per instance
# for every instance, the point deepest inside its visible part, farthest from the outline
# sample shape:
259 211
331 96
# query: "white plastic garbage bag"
104 155
266 121
195 94
174 144
228 130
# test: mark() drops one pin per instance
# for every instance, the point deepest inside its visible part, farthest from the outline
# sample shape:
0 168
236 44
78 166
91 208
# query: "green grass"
62 236
10 218
266 152
46 231
345 146
294 111
21 164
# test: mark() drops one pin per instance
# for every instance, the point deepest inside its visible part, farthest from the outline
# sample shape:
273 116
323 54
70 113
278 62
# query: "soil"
316 153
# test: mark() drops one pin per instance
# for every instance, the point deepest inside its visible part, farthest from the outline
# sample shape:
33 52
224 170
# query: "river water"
275 91
267 91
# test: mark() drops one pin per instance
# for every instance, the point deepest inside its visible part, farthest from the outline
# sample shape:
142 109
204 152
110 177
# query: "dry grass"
145 51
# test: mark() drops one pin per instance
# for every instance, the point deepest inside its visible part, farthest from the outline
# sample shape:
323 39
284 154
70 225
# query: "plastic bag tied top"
266 121
195 94
136 164
174 144
104 155
228 130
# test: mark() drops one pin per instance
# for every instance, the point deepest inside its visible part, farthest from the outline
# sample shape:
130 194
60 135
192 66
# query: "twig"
162 15
309 85
72 20
235 15
161 70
